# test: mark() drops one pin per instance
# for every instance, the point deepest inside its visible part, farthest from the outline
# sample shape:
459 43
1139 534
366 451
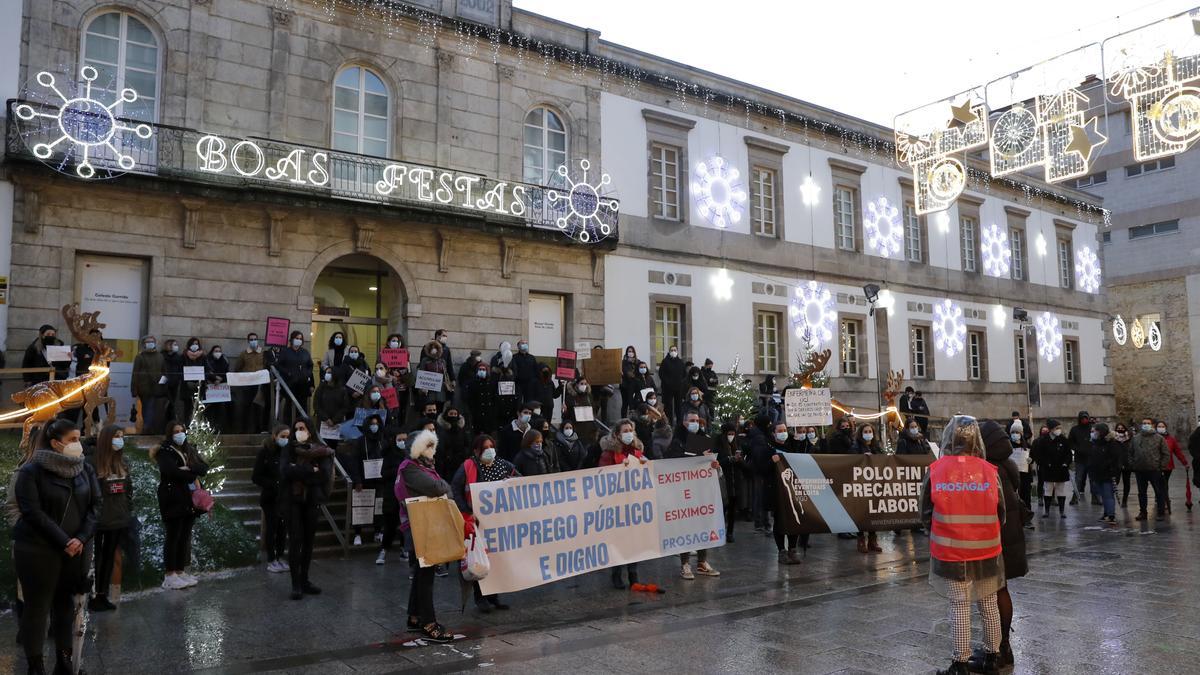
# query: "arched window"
125 53
545 146
360 112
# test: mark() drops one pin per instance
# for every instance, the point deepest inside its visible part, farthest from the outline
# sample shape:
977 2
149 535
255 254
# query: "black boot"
984 662
297 593
1006 659
37 665
62 663
617 582
956 668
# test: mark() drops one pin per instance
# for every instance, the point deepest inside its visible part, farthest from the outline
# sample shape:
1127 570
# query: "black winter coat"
671 373
55 510
1053 458
175 476
482 396
1012 530
1105 459
841 443
1080 441
300 485
266 473
907 445
295 366
530 463
525 371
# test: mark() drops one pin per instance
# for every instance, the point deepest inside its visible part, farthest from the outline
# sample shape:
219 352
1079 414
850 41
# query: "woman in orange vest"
963 507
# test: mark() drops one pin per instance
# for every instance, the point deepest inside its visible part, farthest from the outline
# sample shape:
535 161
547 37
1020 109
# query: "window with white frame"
919 343
762 201
766 340
968 228
360 112
851 347
1065 265
664 181
668 328
1019 351
913 234
1071 360
1016 245
845 200
545 143
125 53
976 355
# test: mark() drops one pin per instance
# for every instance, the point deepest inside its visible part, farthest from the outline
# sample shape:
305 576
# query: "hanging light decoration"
719 195
996 252
722 284
1119 330
810 192
1087 270
949 328
882 227
1049 337
1137 334
813 313
1154 337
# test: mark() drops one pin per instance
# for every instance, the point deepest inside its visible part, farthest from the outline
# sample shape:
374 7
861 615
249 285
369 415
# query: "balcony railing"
193 156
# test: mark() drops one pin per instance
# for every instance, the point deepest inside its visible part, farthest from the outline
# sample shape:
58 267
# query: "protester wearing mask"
1079 440
758 449
1053 457
842 441
148 384
807 441
180 468
1025 428
1020 458
509 443
532 460
481 396
173 370
577 395
336 351
59 501
629 381
367 455
394 455
216 369
116 509
912 441
432 362
525 370
442 337
373 399
689 439
251 402
672 375
394 341
35 357
418 478
295 367
193 357
966 564
1121 439
727 447
866 443
352 361
694 403
306 468
568 448
1175 452
1104 464
1149 456
453 441
920 412
696 379
622 447
546 390
331 404
785 543
267 477
647 415
711 382
482 467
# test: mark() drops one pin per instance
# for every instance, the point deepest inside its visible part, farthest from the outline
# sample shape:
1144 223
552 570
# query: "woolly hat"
1053 424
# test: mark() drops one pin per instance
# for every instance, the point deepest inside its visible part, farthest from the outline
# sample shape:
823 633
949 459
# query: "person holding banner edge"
963 507
778 444
866 443
688 439
622 447
482 467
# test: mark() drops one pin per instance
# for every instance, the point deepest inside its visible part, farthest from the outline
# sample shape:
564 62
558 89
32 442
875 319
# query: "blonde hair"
968 440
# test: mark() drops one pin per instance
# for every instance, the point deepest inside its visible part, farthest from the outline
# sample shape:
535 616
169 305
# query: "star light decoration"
996 252
1087 270
882 227
810 191
82 124
1049 337
718 194
586 213
722 284
813 313
949 328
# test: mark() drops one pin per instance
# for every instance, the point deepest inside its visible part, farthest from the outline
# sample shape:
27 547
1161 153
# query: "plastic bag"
476 565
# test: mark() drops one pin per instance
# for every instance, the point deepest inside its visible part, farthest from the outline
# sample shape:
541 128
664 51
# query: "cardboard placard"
372 468
808 407
646 392
58 353
217 393
193 373
249 379
429 380
357 381
583 413
566 364
330 432
394 358
507 388
278 329
362 507
390 399
604 367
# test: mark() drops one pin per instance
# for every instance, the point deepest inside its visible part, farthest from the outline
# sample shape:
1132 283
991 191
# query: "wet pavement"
1097 600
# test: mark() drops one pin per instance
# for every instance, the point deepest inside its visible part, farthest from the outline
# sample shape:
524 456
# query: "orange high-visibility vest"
966 493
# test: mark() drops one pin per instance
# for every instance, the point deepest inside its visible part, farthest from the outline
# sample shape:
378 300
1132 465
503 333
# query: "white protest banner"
249 379
808 407
507 388
429 380
540 529
362 507
217 393
357 381
193 373
58 353
583 413
372 468
330 432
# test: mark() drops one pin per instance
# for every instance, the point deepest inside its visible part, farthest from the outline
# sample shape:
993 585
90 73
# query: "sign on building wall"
481 11
116 287
545 324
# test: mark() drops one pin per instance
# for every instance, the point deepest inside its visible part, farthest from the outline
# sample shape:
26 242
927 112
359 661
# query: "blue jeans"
1104 490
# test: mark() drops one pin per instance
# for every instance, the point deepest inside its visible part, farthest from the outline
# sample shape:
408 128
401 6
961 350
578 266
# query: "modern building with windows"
1152 275
397 168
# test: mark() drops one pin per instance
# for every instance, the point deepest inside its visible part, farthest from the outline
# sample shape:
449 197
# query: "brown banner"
849 493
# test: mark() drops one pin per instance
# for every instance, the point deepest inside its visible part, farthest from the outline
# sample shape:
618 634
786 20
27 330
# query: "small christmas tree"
735 397
207 441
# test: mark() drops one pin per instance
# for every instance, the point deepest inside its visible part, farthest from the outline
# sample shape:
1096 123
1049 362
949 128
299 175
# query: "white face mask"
568 433
812 437
627 437
375 396
301 436
380 372
695 397
1016 438
118 442
488 455
868 437
329 377
179 438
253 344
73 449
781 436
730 437
297 343
673 353
216 355
337 342
353 356
194 348
394 344
693 427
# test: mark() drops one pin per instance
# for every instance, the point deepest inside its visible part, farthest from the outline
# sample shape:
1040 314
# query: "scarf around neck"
58 463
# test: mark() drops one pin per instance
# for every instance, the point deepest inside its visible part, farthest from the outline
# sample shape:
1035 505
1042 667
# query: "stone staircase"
241 496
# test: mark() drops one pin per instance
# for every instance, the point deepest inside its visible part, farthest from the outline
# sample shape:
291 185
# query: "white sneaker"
188 580
283 566
704 569
381 558
357 540
686 572
173 582
274 566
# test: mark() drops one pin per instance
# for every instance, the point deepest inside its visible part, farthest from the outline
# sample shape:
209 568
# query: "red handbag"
202 500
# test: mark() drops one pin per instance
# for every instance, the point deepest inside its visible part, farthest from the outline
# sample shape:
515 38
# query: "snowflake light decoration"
84 123
1154 337
882 226
996 253
1087 270
718 194
1119 330
813 313
949 329
586 214
1049 337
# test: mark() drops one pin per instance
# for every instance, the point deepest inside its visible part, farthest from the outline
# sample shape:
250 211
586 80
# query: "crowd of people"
495 419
